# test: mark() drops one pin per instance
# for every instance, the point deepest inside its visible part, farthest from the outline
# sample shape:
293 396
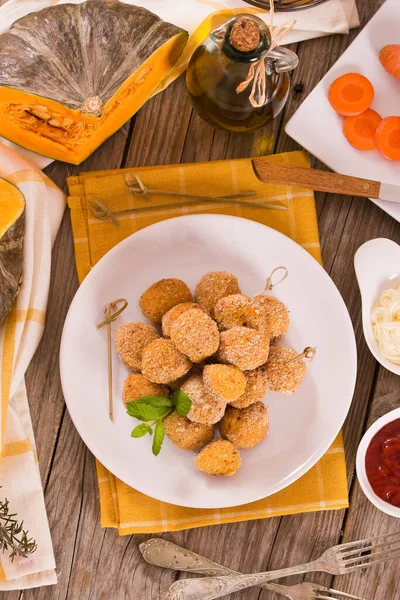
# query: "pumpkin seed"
55 123
41 112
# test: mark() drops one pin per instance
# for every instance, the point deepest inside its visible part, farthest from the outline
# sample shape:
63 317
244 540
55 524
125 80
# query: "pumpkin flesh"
12 223
71 122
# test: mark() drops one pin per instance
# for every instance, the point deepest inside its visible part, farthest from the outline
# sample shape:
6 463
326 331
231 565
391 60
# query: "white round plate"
302 426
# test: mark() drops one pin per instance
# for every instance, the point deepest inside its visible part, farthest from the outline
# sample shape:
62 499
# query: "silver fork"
165 554
338 560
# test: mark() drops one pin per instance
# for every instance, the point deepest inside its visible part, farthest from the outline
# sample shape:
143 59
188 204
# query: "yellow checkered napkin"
324 487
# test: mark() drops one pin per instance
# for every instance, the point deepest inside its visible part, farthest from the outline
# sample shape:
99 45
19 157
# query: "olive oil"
222 63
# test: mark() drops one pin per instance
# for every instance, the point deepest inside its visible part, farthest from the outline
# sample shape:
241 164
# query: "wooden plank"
160 128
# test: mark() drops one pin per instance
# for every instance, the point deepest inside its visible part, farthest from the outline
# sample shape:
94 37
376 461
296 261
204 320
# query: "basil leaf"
142 411
182 402
141 430
156 401
158 438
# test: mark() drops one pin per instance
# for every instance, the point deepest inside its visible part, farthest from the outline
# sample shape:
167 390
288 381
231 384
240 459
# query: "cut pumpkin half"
12 225
72 74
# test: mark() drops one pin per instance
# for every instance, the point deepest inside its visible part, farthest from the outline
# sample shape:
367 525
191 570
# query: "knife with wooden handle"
324 181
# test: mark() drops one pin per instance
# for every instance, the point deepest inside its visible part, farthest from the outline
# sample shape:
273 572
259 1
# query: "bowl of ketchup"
378 463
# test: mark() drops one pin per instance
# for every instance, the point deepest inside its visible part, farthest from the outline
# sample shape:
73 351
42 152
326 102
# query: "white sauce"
386 324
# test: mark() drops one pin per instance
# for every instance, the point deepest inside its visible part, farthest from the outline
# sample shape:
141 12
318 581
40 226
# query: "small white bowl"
377 266
360 464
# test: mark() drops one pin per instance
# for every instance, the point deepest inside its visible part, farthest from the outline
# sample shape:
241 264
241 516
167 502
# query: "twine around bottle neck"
257 71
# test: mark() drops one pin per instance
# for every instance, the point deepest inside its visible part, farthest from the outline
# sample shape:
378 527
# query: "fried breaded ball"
218 458
247 427
185 434
215 285
196 369
244 348
276 316
224 382
176 312
256 388
204 408
195 334
136 386
163 295
162 362
229 311
284 371
238 311
130 341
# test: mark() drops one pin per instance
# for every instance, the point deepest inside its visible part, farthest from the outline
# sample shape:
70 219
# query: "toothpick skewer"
307 356
268 287
111 313
107 313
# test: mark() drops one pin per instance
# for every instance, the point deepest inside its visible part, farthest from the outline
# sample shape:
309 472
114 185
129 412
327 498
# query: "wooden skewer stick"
111 313
268 287
307 355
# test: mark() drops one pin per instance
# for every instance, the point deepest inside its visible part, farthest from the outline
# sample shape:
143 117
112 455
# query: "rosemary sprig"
13 537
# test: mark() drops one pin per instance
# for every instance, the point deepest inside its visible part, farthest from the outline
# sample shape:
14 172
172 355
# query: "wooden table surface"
97 564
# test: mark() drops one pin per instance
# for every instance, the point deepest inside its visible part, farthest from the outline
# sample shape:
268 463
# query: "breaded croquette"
195 334
218 458
163 295
276 317
229 311
130 341
185 434
238 311
215 285
176 312
204 408
224 382
244 348
136 386
162 362
196 369
256 388
284 371
247 427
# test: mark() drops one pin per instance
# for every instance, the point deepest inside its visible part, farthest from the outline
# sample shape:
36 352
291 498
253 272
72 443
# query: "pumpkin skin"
72 74
12 227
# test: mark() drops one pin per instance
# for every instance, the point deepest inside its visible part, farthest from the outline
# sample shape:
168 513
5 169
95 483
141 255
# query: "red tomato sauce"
382 463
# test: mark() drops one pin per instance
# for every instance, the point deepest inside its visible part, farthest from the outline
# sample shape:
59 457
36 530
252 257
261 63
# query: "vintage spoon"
377 266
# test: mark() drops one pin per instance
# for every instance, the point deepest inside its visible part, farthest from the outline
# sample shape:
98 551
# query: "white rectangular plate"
318 128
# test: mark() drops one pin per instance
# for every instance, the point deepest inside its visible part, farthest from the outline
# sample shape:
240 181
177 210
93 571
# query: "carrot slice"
360 130
351 94
388 138
390 59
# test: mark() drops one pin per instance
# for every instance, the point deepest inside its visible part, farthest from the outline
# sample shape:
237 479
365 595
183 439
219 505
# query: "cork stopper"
245 35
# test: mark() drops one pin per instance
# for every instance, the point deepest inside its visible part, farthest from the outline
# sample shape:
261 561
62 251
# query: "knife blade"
389 193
